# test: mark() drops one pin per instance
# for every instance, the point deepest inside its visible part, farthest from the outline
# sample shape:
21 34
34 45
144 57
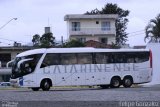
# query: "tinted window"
127 57
101 58
68 58
130 57
84 58
111 58
25 67
31 63
51 59
121 57
141 57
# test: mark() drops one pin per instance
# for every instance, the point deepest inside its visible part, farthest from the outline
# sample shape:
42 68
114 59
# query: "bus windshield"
26 66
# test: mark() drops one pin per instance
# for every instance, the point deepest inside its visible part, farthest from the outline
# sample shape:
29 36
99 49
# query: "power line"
136 34
136 31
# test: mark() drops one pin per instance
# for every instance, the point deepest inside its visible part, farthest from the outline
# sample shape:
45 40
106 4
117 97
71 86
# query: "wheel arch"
128 76
48 79
115 76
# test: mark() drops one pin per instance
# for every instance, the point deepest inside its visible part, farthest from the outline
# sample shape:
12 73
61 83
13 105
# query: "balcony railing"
91 31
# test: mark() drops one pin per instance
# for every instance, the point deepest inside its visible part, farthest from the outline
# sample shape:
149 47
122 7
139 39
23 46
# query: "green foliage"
74 43
152 30
46 41
121 22
114 46
36 40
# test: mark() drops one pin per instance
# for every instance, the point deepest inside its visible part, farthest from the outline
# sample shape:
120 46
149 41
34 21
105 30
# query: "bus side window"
108 56
50 59
111 58
130 57
122 57
84 58
137 57
68 58
142 57
100 58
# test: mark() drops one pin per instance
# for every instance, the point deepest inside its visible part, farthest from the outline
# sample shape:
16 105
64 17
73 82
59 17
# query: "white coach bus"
44 68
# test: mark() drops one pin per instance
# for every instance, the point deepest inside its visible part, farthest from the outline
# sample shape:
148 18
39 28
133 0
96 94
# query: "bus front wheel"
45 85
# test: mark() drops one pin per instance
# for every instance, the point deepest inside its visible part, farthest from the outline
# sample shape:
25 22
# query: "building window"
81 39
75 26
105 26
104 40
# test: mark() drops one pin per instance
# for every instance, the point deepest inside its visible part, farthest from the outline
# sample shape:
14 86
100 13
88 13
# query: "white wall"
90 27
155 48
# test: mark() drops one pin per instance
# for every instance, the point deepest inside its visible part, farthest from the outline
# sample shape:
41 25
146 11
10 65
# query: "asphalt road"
92 97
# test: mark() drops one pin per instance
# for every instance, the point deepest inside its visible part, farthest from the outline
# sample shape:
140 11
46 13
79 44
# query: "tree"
36 40
47 40
152 30
95 11
74 43
121 21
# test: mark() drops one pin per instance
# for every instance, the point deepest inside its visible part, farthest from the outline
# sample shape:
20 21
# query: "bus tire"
35 89
104 86
46 84
127 81
115 82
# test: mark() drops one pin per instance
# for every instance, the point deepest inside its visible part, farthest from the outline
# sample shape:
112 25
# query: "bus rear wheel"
35 89
45 85
127 82
115 82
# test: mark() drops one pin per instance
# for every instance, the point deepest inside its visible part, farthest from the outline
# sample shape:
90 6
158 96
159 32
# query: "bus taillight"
150 59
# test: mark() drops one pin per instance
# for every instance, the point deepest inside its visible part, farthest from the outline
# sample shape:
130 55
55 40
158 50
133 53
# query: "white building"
99 28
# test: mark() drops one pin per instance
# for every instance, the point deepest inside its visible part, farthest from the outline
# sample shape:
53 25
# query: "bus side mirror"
9 64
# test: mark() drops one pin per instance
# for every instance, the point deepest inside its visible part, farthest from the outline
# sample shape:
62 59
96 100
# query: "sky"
34 15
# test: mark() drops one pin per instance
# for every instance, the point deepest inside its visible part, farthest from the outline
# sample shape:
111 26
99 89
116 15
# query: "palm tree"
153 30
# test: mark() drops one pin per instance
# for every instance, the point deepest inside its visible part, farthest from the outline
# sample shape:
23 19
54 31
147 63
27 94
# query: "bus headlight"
14 82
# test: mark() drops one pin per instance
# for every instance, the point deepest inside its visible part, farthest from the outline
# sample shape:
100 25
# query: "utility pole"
62 41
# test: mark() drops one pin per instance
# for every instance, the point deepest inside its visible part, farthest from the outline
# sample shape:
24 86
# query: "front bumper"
14 82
